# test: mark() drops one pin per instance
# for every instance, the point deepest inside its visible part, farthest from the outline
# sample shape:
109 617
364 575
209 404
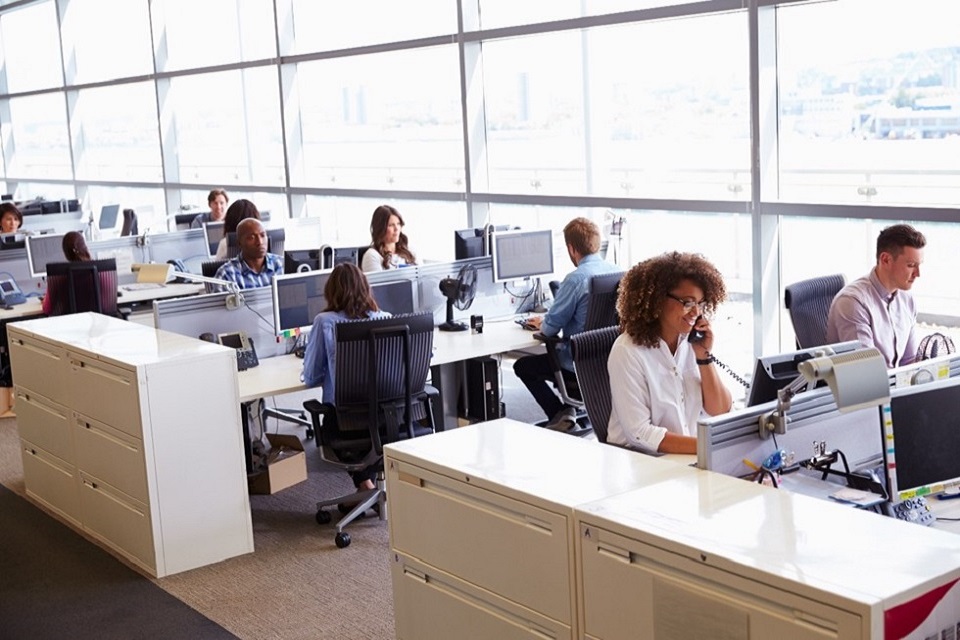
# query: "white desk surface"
169 290
281 374
124 297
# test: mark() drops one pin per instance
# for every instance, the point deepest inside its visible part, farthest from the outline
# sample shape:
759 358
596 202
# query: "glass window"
102 49
148 204
227 127
44 191
875 120
31 47
382 121
116 134
678 128
38 137
326 26
212 32
505 13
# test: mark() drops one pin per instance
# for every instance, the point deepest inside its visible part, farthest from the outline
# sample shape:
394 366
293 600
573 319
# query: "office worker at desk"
349 297
388 244
567 315
217 200
237 212
254 267
10 218
878 310
74 250
660 381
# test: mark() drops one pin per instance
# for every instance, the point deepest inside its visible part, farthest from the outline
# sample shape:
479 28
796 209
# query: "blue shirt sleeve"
315 356
571 293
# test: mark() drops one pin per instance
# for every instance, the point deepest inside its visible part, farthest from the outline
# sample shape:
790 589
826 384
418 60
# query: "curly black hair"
647 283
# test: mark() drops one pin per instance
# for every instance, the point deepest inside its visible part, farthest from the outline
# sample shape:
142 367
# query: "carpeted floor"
56 584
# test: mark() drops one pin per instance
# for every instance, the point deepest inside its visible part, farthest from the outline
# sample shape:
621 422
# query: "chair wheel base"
342 540
323 517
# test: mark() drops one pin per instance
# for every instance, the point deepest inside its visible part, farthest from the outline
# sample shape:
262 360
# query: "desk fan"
460 292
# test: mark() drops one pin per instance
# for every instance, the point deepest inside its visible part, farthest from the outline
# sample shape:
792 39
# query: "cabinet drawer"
509 547
111 455
121 523
429 604
37 365
106 393
44 423
637 590
51 481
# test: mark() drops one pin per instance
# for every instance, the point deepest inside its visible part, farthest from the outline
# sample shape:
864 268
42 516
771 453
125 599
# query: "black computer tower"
483 390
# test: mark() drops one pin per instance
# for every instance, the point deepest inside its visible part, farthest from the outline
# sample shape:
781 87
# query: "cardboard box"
283 470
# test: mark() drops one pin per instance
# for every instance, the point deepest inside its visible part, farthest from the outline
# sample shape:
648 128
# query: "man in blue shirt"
568 314
254 267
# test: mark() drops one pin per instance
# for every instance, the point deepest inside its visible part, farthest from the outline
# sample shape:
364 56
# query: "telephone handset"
239 340
697 336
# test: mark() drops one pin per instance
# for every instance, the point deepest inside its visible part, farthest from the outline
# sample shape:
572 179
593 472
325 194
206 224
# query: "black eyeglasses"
689 305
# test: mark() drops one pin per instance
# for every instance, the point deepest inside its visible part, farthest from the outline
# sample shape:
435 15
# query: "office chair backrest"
75 287
130 226
209 268
590 350
808 302
381 364
602 301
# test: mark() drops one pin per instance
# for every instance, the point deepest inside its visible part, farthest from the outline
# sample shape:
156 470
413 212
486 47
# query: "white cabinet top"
120 341
729 523
533 464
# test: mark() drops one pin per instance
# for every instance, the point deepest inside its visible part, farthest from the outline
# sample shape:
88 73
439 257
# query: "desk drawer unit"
105 392
502 545
118 521
111 455
38 365
44 423
433 605
51 481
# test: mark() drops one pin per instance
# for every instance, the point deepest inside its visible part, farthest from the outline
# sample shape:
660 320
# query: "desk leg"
447 378
245 423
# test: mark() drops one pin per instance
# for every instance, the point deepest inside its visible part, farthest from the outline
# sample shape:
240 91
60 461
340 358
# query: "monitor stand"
539 298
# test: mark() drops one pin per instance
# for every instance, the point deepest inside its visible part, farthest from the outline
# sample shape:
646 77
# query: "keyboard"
142 286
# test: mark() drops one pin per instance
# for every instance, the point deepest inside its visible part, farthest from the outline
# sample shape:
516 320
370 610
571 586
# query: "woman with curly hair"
660 381
388 244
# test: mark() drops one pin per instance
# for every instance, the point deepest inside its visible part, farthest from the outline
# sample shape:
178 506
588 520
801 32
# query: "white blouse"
653 392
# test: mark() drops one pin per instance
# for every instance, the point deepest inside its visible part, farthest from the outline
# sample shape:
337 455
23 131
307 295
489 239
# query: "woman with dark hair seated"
349 297
388 244
660 379
10 218
74 250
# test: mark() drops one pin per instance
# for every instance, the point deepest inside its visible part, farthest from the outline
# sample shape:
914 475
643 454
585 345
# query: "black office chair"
808 302
75 287
590 351
209 269
601 312
381 397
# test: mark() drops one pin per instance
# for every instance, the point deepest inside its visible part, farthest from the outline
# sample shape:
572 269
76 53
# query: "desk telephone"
239 340
10 293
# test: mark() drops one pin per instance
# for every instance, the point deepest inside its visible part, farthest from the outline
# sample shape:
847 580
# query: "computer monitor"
522 254
42 250
774 372
921 450
183 220
301 260
212 234
467 243
297 299
51 206
14 240
109 214
394 297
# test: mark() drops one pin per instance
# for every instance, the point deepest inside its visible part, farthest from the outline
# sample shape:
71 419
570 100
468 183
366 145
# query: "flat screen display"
774 372
213 233
109 213
394 297
921 439
42 250
297 299
522 254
